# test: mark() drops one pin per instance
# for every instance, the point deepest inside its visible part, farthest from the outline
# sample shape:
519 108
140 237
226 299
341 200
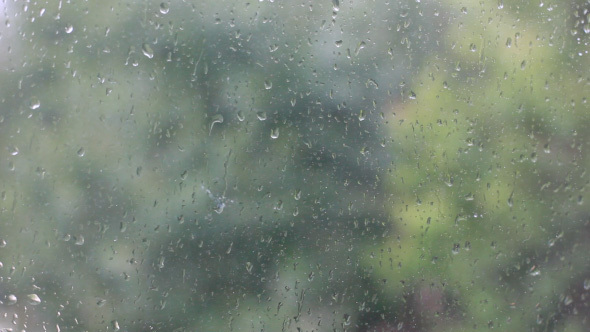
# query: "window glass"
334 165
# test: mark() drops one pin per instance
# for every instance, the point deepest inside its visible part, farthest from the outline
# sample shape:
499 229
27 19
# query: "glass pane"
294 165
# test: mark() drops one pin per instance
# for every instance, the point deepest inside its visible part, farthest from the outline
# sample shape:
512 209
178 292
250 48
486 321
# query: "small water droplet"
147 50
81 152
297 194
69 28
13 151
115 325
274 133
249 267
472 47
164 8
241 116
11 299
33 299
261 115
362 115
338 43
568 300
217 118
335 5
587 284
412 95
79 240
267 85
2 243
34 103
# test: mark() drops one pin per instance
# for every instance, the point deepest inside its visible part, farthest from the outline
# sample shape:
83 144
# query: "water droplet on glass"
261 115
115 325
241 116
11 299
587 284
412 95
217 118
34 103
79 240
362 115
267 85
33 299
546 148
13 151
472 47
249 267
274 133
297 194
568 300
164 8
2 243
81 152
147 50
69 28
338 43
335 5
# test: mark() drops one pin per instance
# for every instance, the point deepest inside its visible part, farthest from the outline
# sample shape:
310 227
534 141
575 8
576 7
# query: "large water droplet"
69 28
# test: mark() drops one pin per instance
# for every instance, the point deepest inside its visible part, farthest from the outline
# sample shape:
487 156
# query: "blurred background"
329 165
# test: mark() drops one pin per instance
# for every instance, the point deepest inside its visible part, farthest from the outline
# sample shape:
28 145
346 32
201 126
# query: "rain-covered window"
274 165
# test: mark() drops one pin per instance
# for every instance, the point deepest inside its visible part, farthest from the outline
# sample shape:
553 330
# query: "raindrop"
274 133
568 300
69 28
297 195
267 85
81 152
13 151
362 115
147 50
2 243
261 115
34 299
335 5
338 43
11 299
34 103
217 118
412 95
587 284
164 8
115 325
79 240
241 116
472 47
